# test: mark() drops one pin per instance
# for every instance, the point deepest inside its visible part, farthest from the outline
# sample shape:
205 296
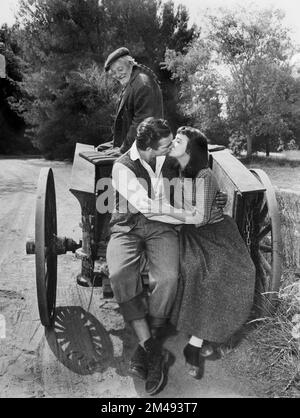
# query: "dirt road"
87 353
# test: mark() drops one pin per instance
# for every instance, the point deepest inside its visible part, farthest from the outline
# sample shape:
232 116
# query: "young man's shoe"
156 360
138 363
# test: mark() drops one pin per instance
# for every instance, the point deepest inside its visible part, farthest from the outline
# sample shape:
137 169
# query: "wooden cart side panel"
235 180
231 168
83 172
226 186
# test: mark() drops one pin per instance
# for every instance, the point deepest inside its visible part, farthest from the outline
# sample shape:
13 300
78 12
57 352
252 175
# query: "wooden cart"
251 202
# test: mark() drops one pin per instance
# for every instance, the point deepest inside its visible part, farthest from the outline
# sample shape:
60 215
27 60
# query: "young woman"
217 275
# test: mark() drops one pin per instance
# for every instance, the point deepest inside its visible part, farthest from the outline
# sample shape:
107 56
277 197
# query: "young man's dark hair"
150 131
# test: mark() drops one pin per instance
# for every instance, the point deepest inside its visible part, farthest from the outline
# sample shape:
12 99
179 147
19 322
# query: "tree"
198 81
148 28
12 124
65 43
255 48
80 112
66 93
60 32
236 79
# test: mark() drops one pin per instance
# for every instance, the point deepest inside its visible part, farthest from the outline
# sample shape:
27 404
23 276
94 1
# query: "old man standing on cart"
141 97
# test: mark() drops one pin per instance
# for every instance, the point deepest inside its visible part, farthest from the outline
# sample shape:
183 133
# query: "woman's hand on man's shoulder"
221 199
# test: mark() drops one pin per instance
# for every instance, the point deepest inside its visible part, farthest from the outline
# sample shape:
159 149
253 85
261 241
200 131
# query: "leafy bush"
12 125
237 143
292 145
80 112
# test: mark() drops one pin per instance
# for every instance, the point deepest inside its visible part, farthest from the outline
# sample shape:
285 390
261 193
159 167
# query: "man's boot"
156 333
138 364
156 361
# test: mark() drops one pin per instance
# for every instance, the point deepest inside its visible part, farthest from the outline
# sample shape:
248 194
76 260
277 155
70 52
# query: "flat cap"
118 53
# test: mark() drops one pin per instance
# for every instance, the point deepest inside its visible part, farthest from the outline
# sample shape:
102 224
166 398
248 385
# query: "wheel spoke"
264 281
265 248
265 264
264 231
263 213
46 279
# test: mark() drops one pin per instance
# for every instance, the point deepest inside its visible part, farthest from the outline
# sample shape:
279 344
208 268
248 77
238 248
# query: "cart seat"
107 157
215 147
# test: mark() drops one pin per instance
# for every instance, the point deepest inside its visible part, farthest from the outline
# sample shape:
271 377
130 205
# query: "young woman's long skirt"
216 284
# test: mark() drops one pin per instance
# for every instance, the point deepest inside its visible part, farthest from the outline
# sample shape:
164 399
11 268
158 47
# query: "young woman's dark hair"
197 149
150 131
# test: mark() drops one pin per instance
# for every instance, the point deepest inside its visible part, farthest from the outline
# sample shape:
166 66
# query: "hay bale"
289 207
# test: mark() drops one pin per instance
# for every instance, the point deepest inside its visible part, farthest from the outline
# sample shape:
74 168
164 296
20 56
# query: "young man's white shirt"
126 183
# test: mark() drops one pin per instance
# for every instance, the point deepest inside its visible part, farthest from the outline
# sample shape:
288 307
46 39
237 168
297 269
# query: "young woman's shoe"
207 349
194 361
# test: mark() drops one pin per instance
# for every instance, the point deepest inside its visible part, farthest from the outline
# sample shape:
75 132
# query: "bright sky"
7 11
196 8
290 7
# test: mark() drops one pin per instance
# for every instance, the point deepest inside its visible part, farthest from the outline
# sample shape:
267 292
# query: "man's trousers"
159 242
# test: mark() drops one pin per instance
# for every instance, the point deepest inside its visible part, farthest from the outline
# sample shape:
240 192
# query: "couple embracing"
201 276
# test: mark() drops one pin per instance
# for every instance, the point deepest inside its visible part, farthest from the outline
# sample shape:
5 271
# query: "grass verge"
269 161
269 354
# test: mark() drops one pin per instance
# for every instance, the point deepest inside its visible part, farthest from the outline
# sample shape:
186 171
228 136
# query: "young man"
138 180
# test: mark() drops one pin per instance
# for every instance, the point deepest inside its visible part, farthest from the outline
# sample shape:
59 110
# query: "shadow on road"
79 341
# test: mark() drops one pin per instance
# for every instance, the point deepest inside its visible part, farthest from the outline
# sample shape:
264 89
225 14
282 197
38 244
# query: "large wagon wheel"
45 248
267 248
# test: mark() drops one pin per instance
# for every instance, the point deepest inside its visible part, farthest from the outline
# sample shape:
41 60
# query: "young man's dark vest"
126 218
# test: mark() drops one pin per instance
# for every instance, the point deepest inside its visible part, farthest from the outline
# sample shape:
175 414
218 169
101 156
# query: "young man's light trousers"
159 242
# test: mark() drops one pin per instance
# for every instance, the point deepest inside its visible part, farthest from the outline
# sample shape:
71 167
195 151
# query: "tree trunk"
249 145
267 147
2 66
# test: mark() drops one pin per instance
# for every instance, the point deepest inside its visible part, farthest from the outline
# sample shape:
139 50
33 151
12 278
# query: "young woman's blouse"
199 195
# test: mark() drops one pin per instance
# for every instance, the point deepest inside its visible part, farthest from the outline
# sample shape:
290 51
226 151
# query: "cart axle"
61 245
